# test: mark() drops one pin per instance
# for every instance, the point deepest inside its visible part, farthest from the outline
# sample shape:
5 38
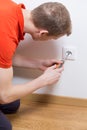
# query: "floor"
43 116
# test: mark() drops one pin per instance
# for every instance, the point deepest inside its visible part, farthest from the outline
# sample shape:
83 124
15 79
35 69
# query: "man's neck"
29 26
26 16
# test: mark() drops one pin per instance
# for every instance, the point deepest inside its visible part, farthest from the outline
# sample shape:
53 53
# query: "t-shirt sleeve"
7 50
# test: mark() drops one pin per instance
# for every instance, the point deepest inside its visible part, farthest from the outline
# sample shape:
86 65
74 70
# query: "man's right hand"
52 75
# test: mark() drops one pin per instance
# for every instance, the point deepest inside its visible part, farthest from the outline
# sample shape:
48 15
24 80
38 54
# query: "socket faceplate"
71 49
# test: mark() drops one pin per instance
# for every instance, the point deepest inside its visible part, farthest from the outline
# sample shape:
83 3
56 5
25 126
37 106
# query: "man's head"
52 19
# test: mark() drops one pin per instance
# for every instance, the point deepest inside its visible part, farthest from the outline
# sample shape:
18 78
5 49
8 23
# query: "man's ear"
43 32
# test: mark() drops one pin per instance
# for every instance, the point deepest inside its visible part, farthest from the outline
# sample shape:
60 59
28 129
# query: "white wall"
73 82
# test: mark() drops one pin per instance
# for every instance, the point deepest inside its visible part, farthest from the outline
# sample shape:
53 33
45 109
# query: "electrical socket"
72 55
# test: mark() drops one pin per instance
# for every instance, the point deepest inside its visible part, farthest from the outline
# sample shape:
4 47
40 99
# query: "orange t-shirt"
11 30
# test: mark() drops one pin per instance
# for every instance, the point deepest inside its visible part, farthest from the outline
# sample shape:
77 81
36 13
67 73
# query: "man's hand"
44 64
52 75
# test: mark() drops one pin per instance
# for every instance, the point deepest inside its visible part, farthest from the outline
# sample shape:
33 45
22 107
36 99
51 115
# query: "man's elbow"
4 98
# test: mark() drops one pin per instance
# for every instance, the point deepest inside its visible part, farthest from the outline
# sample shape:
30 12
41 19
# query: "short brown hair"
52 16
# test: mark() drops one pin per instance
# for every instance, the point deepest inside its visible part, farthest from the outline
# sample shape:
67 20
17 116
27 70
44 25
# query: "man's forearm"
18 91
20 61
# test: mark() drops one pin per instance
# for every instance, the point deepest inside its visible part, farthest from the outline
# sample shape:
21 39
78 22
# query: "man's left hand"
44 64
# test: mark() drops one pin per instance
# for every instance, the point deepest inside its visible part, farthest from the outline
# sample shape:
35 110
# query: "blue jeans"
7 109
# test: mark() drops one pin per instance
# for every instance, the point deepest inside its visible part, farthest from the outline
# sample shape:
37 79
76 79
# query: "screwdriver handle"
59 65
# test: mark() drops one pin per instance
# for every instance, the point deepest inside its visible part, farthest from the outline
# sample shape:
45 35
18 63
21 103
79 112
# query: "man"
47 21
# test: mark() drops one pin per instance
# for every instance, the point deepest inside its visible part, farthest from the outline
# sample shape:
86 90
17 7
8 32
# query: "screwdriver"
63 60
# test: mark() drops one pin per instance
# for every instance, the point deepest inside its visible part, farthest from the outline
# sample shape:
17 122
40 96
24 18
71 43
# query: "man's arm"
21 61
42 64
9 92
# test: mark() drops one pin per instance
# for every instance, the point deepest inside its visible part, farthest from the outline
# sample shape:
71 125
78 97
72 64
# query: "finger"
58 63
53 67
60 69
